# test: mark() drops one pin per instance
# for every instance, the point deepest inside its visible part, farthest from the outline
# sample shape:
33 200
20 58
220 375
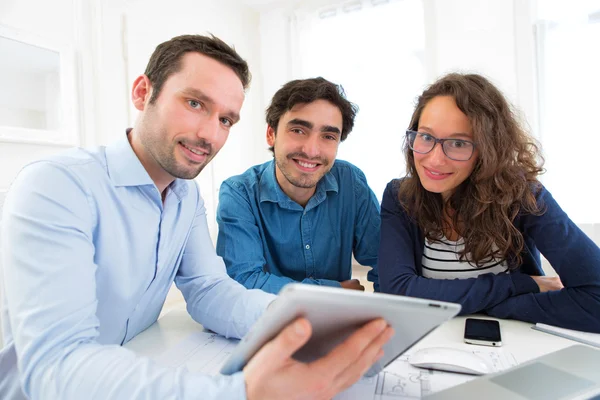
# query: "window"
568 37
37 100
375 50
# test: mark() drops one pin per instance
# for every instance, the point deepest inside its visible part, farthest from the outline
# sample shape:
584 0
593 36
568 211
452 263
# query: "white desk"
517 337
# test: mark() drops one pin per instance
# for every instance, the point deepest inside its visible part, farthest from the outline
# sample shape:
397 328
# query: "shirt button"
307 247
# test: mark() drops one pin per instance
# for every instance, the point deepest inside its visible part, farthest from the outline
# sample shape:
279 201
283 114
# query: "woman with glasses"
468 222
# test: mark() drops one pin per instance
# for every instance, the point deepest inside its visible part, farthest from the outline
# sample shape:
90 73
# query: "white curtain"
2 196
568 46
375 50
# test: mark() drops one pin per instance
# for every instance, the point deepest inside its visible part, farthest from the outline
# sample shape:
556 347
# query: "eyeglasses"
454 149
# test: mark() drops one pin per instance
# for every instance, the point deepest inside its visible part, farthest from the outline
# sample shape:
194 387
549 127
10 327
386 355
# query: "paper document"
593 339
206 352
203 352
400 380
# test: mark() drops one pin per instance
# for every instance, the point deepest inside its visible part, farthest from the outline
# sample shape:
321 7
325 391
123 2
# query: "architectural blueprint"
203 352
400 380
206 352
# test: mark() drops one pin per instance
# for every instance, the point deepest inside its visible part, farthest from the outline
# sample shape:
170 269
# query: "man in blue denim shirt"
301 216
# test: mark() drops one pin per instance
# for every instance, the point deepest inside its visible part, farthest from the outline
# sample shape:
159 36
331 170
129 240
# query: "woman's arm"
398 272
576 259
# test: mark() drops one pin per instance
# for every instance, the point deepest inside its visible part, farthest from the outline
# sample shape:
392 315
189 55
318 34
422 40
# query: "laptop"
335 314
571 373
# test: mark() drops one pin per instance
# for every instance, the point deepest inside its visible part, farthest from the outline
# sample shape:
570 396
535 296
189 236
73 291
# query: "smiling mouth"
435 174
195 155
306 166
199 152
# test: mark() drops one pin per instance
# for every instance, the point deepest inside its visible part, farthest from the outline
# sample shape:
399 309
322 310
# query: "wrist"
248 388
524 283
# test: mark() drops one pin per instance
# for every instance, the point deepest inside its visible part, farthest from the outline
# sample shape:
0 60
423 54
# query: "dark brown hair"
304 91
503 182
166 59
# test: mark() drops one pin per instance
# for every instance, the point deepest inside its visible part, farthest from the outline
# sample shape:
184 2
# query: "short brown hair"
166 59
304 91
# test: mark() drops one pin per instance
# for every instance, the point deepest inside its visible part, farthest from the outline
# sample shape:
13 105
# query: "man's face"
190 120
305 144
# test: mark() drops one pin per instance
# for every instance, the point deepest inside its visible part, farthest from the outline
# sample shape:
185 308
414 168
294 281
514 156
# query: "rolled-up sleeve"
367 228
213 299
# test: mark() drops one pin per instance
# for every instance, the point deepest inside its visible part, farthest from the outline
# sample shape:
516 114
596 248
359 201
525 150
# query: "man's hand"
548 283
273 374
353 284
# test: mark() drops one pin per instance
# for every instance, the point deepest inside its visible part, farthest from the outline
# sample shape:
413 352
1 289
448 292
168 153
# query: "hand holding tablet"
273 374
335 315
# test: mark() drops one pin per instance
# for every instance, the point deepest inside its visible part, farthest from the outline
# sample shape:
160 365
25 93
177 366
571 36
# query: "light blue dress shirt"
268 240
89 253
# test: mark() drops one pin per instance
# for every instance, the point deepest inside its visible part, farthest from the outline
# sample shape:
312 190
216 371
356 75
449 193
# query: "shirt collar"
125 168
271 191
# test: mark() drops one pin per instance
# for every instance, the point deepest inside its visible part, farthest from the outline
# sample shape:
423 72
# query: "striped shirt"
441 260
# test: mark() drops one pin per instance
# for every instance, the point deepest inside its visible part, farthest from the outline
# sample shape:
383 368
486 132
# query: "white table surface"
517 337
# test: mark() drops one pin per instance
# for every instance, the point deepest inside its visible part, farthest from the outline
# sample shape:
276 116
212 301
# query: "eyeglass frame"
436 141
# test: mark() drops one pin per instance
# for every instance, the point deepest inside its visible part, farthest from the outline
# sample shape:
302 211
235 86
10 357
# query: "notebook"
592 339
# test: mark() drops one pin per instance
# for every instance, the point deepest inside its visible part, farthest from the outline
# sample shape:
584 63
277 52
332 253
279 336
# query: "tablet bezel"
334 314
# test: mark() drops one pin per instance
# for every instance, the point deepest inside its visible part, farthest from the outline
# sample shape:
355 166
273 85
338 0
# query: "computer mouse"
449 359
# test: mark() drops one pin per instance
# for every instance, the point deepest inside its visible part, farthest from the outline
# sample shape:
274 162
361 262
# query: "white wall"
474 35
490 37
136 27
235 24
29 100
113 40
22 118
55 20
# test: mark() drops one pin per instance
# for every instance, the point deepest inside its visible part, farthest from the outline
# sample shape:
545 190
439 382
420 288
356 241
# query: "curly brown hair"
503 182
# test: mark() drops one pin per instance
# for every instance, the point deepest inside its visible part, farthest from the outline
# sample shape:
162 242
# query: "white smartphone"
484 332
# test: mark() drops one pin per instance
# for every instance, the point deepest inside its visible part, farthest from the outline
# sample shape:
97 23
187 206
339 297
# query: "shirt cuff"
238 386
216 387
524 283
260 300
327 282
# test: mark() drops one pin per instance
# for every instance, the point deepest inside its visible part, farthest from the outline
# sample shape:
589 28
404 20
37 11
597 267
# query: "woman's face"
442 119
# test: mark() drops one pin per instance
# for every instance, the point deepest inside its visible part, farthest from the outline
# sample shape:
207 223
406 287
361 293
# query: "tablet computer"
334 314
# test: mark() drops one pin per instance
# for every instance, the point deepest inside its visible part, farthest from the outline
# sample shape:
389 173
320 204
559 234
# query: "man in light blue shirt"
93 239
301 216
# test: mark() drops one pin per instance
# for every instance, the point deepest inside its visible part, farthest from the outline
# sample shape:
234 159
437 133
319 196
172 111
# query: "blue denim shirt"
267 240
90 251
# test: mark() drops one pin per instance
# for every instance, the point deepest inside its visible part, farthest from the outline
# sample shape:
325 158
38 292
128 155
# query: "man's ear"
270 136
141 92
